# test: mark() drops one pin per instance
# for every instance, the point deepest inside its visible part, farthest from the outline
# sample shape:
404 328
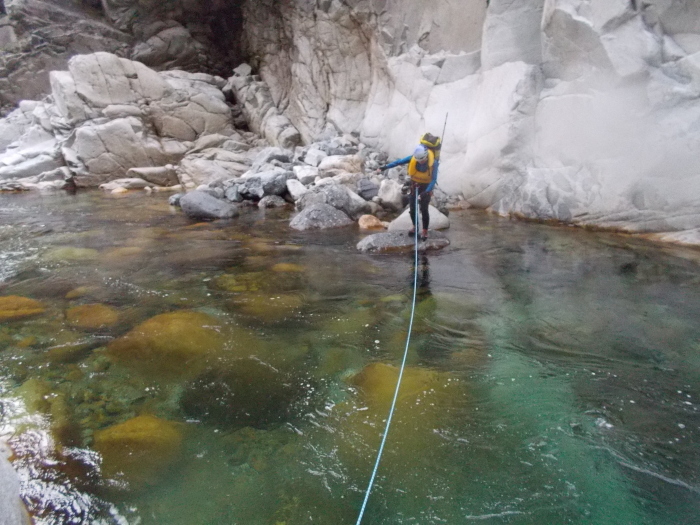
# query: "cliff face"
39 36
585 111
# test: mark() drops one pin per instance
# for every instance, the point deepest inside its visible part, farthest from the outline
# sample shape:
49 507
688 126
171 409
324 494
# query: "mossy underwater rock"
173 344
269 306
139 450
424 403
92 316
16 307
288 268
248 393
71 254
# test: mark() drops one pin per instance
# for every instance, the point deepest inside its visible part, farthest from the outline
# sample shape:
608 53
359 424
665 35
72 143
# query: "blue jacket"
406 160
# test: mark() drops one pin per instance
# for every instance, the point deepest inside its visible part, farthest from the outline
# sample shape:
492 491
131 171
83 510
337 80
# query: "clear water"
554 373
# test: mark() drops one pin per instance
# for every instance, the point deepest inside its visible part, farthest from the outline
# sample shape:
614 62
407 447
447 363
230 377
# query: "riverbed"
553 373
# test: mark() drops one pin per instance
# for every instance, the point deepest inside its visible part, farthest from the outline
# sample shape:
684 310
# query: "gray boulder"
269 155
295 189
174 200
336 195
319 217
275 182
367 189
233 194
272 201
200 205
401 242
252 188
12 509
390 195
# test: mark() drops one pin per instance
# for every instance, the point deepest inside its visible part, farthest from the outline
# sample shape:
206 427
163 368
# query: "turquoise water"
553 372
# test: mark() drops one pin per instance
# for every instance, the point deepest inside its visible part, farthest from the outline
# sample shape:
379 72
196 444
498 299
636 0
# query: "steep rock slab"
262 113
96 81
100 153
512 33
500 133
43 35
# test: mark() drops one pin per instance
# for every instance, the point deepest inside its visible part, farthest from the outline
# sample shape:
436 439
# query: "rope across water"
403 366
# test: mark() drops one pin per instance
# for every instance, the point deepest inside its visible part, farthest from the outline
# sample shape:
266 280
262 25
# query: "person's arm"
399 162
433 182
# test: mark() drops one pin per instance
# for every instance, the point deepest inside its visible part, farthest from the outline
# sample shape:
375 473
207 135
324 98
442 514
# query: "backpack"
433 143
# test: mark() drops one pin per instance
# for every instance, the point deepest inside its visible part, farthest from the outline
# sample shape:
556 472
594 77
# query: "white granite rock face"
110 115
585 111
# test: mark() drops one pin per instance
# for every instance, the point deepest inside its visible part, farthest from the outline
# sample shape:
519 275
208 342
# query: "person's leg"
424 210
412 206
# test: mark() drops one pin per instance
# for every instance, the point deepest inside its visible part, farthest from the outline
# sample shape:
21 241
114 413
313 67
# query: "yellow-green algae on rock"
138 450
288 268
176 343
70 254
16 307
423 405
269 307
92 316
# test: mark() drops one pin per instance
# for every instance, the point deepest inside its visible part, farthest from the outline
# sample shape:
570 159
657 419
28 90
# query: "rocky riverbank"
115 123
579 111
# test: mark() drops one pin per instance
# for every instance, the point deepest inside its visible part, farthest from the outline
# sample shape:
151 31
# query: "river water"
553 373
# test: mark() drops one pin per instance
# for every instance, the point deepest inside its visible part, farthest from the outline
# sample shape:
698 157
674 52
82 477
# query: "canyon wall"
584 111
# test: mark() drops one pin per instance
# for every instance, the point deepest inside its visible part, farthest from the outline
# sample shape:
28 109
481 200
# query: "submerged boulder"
423 404
173 344
137 451
92 316
248 393
16 307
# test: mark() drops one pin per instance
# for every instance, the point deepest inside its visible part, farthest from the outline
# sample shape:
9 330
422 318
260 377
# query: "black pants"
423 199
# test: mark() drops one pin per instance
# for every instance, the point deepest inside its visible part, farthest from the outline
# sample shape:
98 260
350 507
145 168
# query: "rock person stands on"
423 171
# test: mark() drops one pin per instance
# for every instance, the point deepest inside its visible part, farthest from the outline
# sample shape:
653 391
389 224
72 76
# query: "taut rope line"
405 352
403 366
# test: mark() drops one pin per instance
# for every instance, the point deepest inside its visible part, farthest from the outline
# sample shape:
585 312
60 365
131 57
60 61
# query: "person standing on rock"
423 171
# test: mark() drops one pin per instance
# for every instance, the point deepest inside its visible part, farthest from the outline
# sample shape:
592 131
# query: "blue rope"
403 366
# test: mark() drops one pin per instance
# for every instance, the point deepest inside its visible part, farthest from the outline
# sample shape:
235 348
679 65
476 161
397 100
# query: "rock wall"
584 111
38 36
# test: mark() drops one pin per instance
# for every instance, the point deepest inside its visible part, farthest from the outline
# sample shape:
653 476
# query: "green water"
554 373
